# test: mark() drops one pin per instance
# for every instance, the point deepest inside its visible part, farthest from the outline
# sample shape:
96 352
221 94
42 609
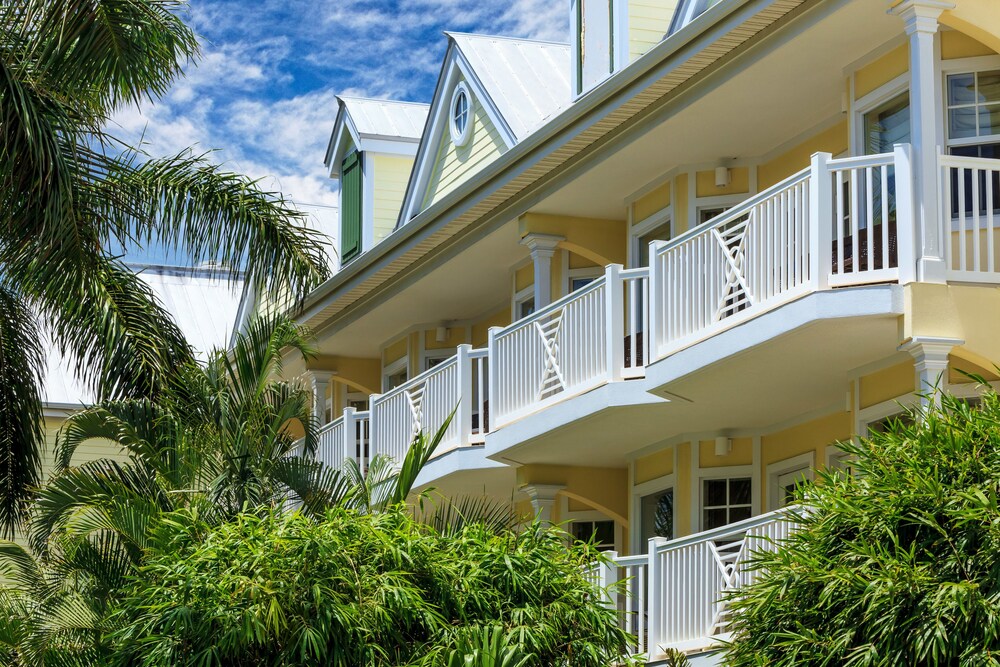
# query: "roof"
203 303
527 80
386 118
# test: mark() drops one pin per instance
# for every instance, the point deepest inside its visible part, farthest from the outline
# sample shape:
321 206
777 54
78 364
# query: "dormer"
610 34
493 92
371 154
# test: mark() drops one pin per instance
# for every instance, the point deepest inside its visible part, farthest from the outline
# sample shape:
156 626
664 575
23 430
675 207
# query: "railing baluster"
976 262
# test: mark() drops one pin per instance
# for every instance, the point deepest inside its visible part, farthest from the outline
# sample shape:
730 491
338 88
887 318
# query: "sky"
262 94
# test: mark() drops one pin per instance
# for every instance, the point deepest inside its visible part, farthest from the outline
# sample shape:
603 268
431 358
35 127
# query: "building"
663 269
204 302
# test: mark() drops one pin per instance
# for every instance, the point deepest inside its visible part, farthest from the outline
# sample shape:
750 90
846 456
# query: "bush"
897 565
357 589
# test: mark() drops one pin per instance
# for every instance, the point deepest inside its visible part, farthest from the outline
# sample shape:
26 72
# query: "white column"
930 357
921 24
543 499
320 382
542 247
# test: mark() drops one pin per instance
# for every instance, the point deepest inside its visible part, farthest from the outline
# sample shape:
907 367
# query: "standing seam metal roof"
386 118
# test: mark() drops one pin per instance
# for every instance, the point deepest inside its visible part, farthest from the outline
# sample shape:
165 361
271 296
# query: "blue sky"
263 91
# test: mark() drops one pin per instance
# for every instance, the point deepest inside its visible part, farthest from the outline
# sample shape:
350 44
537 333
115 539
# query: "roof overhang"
599 120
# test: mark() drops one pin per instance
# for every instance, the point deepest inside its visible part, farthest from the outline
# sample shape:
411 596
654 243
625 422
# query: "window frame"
805 462
395 368
871 101
973 65
460 136
727 473
640 491
665 216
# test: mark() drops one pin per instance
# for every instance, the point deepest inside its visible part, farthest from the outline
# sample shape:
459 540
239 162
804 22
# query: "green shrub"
897 565
357 589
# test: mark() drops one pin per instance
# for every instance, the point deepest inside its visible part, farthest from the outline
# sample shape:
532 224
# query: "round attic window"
461 110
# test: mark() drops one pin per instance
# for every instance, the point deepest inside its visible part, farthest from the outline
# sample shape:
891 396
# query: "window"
973 127
656 513
785 477
725 501
351 197
524 303
432 360
706 214
886 125
579 278
602 533
658 233
461 109
395 374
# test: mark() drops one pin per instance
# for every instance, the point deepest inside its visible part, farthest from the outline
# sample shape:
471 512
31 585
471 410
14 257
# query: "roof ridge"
382 100
508 38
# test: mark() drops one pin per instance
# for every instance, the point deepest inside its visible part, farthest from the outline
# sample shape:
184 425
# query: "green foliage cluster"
898 564
363 589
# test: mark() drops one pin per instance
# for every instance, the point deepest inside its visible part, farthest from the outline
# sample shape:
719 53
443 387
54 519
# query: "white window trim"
461 137
638 230
717 201
568 516
593 272
442 354
876 98
964 66
518 298
641 490
397 366
804 462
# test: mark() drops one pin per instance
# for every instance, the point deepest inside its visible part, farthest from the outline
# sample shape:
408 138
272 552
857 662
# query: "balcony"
836 224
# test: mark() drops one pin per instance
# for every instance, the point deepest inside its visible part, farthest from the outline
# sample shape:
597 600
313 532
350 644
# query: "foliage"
70 194
897 565
363 589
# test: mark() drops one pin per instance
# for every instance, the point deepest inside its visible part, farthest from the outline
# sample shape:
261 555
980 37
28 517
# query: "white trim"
805 462
396 367
569 275
636 231
368 207
640 491
871 101
518 298
460 137
719 472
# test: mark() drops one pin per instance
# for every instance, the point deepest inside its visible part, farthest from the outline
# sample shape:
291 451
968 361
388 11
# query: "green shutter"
351 197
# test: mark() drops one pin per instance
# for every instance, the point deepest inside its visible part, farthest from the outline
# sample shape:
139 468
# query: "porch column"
543 499
920 18
930 357
542 247
320 381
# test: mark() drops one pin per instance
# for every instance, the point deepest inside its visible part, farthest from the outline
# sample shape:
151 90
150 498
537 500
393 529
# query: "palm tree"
70 193
218 440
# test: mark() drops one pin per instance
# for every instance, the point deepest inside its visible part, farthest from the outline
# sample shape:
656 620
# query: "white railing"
677 593
839 222
970 210
345 438
635 283
480 400
420 405
556 352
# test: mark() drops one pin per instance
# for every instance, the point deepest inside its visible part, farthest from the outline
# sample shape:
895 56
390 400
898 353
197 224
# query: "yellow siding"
391 176
813 436
651 203
455 164
654 466
881 71
833 140
648 22
739 183
887 384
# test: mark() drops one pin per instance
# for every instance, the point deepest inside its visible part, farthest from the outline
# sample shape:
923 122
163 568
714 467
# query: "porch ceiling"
469 284
772 100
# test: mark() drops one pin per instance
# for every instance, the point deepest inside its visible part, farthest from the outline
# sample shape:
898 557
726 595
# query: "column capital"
930 349
543 499
318 375
921 15
542 244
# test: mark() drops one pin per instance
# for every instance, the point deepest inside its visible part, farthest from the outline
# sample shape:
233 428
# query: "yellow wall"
681 206
395 351
813 436
654 201
739 183
886 384
659 464
955 44
601 241
481 329
455 337
834 140
455 164
602 489
683 490
648 22
391 175
524 277
977 18
740 455
881 71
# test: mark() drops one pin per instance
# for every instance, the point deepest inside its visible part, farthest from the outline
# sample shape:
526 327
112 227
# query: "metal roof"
386 118
527 80
203 303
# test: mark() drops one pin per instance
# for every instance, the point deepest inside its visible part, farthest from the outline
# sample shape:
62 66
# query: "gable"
454 164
